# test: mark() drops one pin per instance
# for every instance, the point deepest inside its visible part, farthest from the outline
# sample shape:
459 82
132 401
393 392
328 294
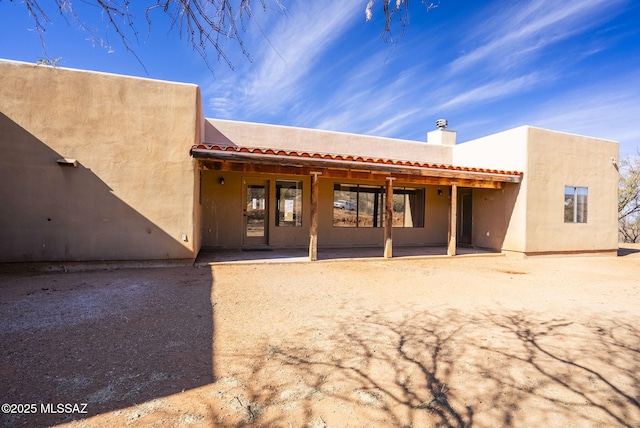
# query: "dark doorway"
466 217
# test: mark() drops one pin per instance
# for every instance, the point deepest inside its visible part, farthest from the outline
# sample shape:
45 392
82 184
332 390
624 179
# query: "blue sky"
571 65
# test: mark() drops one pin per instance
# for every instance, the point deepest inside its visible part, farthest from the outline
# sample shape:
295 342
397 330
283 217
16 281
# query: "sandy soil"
462 342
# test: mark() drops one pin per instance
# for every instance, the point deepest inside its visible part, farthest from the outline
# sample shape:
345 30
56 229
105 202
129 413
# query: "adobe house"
97 166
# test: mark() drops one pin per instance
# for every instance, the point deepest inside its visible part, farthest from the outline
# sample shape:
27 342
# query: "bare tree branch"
206 24
629 199
394 11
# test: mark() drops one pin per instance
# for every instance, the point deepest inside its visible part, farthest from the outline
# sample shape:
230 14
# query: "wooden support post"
313 227
388 219
453 220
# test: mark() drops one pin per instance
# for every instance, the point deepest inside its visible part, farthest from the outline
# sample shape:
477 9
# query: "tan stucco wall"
533 211
222 222
222 208
491 214
555 160
133 194
227 132
503 214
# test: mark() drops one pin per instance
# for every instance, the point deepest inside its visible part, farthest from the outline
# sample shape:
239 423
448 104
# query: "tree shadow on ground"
591 369
448 369
110 339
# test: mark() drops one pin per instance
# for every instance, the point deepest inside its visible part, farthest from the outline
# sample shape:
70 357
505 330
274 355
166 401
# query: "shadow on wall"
627 250
110 339
492 215
213 136
51 212
450 369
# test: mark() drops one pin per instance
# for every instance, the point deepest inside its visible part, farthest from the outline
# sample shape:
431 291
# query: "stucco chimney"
442 136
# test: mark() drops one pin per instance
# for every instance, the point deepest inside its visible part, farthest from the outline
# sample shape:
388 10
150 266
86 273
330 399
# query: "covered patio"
210 257
385 172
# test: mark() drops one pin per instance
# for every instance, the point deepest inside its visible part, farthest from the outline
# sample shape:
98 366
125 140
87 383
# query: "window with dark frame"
363 206
357 205
289 203
575 204
408 207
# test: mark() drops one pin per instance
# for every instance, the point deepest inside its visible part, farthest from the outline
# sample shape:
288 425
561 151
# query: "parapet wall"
131 195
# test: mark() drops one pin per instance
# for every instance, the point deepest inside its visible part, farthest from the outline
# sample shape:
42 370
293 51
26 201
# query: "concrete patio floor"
301 255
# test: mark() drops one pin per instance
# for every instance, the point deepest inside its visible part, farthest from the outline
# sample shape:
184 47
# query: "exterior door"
256 213
466 219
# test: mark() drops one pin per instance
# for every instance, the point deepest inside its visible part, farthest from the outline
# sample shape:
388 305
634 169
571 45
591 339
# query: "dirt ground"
485 341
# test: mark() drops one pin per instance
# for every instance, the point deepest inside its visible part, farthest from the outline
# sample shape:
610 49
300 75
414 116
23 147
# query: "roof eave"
320 162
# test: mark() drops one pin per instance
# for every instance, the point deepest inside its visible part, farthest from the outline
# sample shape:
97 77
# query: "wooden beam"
330 163
313 227
388 218
346 174
453 220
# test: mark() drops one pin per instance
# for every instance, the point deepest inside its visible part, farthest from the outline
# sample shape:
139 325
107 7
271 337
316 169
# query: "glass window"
289 206
408 207
370 206
255 210
345 205
399 205
357 206
363 206
575 204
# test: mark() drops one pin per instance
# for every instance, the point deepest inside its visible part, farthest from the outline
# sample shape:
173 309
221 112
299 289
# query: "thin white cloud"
496 89
601 119
368 90
369 100
607 111
519 30
285 47
395 122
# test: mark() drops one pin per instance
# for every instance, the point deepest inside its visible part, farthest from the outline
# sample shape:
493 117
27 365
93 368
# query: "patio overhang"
347 167
268 161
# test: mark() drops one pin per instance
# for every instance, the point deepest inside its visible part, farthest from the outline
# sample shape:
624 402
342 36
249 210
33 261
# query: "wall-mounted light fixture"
221 181
67 162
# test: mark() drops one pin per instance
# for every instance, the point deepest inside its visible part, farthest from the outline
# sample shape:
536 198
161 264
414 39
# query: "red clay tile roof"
212 148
